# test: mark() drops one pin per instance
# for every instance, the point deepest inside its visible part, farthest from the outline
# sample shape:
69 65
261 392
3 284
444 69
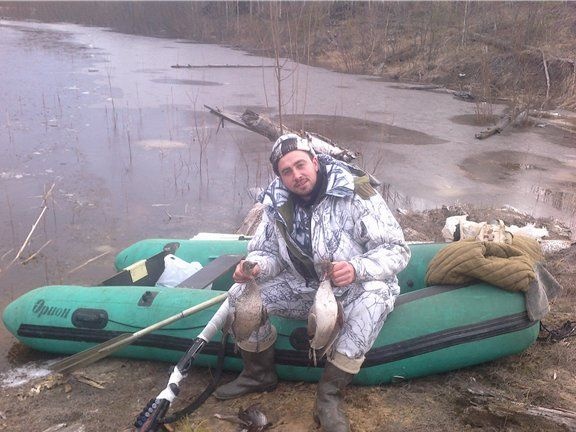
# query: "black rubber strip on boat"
426 343
448 338
377 355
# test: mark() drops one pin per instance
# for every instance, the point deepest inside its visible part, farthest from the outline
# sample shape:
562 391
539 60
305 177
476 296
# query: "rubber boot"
258 375
328 411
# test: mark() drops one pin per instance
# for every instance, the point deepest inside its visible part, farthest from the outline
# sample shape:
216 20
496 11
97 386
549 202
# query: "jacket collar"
340 183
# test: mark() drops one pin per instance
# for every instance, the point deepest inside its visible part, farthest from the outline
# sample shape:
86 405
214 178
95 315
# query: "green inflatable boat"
431 330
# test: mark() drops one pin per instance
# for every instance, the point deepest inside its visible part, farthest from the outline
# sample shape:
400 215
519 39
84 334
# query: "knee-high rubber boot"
258 375
328 411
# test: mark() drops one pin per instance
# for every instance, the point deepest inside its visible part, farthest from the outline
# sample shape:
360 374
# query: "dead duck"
325 317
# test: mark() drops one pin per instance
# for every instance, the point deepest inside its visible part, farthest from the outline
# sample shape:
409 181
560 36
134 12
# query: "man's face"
298 172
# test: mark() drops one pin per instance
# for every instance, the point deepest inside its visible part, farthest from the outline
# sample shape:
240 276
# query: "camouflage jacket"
350 222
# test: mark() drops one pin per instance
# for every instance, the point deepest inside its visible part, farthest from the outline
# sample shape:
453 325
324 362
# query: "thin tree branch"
88 262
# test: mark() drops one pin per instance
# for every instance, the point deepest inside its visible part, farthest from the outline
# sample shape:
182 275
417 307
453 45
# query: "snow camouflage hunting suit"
348 222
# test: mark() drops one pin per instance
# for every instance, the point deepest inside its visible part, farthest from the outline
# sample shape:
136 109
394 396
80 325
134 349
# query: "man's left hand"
342 274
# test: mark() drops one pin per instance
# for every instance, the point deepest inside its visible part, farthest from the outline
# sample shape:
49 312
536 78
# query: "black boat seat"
211 271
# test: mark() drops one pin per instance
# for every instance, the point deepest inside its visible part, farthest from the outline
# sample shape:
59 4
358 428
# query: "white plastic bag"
450 226
176 270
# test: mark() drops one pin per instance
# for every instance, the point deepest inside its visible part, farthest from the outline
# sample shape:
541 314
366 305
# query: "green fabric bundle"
509 266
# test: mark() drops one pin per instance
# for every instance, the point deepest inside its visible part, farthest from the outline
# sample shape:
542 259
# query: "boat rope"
140 327
202 397
566 330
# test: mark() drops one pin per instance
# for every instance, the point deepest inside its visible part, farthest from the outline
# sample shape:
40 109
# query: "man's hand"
342 274
240 276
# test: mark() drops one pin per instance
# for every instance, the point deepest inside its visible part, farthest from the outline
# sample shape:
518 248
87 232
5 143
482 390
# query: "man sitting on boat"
318 209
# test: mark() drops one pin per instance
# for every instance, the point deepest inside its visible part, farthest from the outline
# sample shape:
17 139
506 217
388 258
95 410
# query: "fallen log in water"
231 117
459 94
560 121
505 121
213 66
550 115
264 126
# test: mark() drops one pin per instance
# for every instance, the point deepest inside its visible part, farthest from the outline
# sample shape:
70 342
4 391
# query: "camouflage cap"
287 143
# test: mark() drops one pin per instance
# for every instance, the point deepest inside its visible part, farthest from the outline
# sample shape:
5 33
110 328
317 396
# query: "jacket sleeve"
376 229
263 249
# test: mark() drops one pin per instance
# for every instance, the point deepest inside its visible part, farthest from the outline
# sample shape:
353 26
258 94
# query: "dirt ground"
533 391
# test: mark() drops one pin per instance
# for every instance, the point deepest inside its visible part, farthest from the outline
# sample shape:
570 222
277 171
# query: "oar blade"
86 357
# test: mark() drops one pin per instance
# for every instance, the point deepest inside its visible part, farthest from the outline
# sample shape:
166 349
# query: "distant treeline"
525 51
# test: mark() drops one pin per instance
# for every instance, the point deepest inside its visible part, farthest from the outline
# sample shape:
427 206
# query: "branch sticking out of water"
44 208
88 262
31 257
176 216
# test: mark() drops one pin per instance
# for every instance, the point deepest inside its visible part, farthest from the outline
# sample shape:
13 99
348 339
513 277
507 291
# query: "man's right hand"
240 276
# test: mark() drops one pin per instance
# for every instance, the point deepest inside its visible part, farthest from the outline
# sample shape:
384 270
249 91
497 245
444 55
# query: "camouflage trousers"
365 311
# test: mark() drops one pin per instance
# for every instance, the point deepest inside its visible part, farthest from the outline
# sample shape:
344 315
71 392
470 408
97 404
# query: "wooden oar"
94 354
